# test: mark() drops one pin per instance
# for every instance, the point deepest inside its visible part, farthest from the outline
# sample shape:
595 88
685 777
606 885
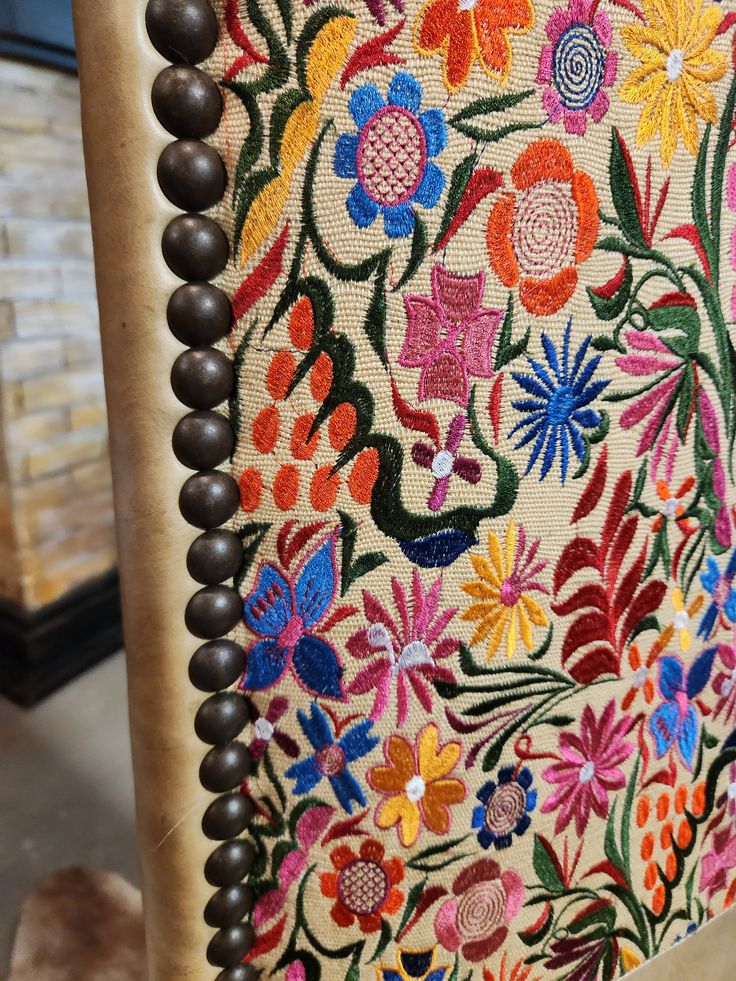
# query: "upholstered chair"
417 325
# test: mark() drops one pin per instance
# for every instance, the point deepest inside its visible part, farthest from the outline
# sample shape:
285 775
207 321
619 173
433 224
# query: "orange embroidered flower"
642 680
519 972
538 236
417 785
466 31
363 885
672 506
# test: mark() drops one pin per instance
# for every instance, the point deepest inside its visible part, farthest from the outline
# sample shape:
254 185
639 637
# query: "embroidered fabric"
482 270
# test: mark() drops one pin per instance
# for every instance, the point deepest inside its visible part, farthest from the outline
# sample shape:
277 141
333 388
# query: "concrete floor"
66 788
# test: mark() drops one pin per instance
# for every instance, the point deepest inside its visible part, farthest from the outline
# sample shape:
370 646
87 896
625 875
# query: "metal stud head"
203 440
215 556
191 175
221 718
186 102
227 816
199 313
182 30
195 247
202 377
225 767
229 946
209 499
229 863
216 665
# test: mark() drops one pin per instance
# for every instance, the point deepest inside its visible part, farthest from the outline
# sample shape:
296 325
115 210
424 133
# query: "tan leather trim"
122 142
708 954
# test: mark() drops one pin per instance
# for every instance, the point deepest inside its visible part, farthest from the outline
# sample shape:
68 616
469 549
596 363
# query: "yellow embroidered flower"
683 616
677 64
503 588
417 785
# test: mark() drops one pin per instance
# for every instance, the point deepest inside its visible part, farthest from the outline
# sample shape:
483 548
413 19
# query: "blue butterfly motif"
676 721
283 613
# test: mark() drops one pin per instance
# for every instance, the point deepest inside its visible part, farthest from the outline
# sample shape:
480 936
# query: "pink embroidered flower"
445 462
265 728
653 405
724 683
296 972
310 826
449 335
709 421
731 198
576 66
475 920
718 863
588 768
403 649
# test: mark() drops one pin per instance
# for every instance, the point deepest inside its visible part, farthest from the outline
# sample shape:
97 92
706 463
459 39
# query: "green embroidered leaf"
458 182
700 208
506 351
493 135
419 244
491 103
411 903
685 405
539 653
252 536
611 307
623 181
545 867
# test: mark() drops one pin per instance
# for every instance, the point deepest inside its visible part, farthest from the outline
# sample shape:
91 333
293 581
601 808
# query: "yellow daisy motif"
677 65
505 607
683 617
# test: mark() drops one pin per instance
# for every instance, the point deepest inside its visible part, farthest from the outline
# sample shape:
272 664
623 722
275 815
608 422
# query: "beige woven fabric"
482 281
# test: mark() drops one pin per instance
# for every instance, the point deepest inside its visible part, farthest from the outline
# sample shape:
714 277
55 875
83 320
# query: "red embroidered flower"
476 918
363 885
539 235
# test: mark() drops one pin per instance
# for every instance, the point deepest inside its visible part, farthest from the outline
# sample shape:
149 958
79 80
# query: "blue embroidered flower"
505 807
332 756
557 411
389 157
284 613
723 592
676 721
414 965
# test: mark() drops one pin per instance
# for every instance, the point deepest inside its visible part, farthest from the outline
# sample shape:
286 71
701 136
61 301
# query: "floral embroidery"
539 235
449 336
503 589
677 66
385 182
415 964
363 885
476 920
588 768
505 807
332 756
676 722
577 65
445 462
284 614
466 31
559 406
417 785
404 650
438 466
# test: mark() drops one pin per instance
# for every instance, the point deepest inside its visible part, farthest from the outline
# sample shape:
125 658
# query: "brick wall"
56 519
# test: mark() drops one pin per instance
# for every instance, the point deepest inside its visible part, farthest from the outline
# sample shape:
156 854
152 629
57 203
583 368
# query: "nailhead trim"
195 248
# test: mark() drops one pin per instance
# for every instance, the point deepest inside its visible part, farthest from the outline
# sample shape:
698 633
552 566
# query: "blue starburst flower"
558 410
332 756
505 807
389 157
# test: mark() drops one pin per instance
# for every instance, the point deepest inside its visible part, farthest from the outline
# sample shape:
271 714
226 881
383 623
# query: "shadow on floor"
66 788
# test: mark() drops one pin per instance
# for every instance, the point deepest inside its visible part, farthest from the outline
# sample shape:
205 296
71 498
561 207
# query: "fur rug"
80 925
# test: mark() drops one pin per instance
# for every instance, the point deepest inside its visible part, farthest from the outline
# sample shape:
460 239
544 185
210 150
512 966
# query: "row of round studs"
191 174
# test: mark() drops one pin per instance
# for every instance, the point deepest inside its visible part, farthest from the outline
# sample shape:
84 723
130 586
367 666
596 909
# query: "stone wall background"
56 516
